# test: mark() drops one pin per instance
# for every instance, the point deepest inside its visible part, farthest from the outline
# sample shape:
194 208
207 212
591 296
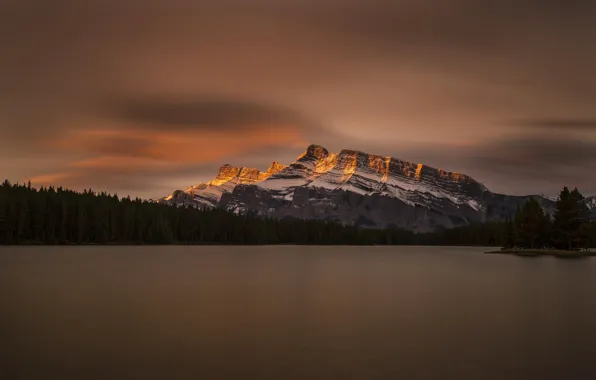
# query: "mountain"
356 188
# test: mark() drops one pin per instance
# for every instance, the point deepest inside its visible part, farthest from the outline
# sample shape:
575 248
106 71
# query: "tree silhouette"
61 216
571 221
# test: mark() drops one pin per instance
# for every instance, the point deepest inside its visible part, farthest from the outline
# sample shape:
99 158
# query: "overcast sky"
142 97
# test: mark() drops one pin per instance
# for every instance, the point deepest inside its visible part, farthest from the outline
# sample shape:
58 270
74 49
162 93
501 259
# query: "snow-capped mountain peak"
348 170
353 187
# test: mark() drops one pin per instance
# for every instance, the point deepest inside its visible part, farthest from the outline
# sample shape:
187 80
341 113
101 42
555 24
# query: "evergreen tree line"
59 216
569 228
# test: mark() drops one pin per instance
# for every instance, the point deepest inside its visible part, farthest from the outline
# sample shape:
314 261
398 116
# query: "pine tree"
570 230
531 225
511 236
581 235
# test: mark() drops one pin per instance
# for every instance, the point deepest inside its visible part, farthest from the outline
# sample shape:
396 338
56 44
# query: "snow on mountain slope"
315 161
371 174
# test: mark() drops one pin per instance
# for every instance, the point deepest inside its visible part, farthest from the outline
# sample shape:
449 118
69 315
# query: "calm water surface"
294 313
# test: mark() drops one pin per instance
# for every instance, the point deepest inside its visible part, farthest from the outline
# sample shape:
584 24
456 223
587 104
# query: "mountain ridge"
354 187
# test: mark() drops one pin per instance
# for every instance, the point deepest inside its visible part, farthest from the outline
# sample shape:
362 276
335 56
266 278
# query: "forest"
51 215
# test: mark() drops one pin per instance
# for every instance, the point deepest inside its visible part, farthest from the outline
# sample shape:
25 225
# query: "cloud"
206 112
100 80
535 163
143 144
581 124
547 153
155 162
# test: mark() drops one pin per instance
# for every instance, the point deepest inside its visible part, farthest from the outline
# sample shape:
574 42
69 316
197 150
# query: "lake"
292 312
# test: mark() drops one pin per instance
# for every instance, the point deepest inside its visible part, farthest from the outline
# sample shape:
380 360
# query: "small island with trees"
566 234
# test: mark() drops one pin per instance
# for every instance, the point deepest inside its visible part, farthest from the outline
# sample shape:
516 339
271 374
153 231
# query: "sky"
142 97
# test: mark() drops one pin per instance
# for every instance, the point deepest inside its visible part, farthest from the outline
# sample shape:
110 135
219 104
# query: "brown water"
294 313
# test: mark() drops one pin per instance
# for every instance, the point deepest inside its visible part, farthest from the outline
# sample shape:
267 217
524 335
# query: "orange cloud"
106 155
176 146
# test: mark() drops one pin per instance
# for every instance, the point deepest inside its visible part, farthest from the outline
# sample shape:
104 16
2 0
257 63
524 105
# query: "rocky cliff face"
356 187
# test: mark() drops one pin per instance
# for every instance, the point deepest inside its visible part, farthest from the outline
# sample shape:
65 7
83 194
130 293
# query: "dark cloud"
120 146
545 153
527 162
556 123
481 25
204 112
